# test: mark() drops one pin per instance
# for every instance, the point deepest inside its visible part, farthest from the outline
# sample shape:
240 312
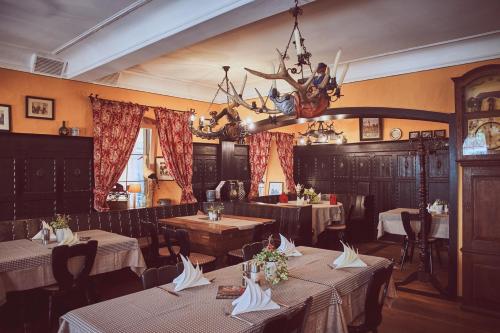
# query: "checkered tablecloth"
197 309
26 264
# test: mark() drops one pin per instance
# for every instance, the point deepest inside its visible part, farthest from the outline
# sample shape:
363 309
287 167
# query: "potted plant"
273 262
60 223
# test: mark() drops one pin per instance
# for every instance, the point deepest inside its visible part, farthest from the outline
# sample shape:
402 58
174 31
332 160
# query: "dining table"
323 215
27 264
217 238
338 298
390 222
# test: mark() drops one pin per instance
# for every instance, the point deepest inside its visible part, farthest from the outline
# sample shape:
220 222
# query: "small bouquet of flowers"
312 196
274 263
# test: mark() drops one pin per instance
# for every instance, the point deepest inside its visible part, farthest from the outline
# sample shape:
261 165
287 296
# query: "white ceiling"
177 47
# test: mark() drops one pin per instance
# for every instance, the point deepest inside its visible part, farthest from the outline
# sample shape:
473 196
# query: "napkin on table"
349 258
190 277
45 225
288 248
69 238
253 299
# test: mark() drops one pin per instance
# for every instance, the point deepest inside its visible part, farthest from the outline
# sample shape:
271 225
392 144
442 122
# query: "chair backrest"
375 296
251 249
167 274
294 322
406 219
152 234
182 238
60 257
153 277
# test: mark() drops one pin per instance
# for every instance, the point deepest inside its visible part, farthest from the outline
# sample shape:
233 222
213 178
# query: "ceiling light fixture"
234 130
312 95
323 132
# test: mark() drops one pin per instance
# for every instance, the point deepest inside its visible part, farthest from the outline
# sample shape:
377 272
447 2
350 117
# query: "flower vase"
59 235
270 270
241 191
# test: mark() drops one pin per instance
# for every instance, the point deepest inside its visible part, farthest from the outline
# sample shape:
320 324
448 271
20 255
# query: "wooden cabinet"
477 103
41 175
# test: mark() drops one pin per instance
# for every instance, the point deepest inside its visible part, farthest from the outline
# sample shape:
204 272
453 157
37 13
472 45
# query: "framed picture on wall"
5 118
275 188
414 135
370 129
426 134
162 170
40 108
441 134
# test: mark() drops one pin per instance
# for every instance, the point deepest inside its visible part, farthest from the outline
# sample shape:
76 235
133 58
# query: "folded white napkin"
190 277
349 258
45 225
253 299
301 201
69 238
288 248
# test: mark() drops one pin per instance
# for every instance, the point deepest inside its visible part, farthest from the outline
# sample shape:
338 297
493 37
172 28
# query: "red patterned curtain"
284 145
116 125
176 141
259 155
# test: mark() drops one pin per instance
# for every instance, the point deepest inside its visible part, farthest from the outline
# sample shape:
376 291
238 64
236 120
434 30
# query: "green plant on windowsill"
61 221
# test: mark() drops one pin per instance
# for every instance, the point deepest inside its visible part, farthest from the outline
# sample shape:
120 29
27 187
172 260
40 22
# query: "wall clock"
396 134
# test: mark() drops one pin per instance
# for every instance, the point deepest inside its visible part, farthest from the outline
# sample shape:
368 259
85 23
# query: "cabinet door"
38 188
7 189
76 196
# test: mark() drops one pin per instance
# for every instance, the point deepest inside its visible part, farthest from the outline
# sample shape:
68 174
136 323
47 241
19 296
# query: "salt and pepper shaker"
245 267
45 236
254 272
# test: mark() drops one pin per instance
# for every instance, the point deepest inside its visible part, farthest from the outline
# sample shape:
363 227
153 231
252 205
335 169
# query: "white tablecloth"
323 214
338 298
390 222
26 264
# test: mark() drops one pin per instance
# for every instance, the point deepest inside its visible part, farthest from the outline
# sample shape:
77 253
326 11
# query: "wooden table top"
210 227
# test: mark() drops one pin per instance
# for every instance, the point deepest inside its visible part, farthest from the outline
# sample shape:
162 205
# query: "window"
134 171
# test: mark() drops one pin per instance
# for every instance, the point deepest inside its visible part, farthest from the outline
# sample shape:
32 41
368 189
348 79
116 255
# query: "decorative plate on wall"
396 134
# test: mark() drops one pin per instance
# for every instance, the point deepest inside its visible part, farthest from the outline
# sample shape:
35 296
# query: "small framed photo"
441 134
275 188
426 134
161 169
370 129
40 108
414 135
5 118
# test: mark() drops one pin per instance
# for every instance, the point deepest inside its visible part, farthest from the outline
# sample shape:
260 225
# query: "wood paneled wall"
387 170
41 175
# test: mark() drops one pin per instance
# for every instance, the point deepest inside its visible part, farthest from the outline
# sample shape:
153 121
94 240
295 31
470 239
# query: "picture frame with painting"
426 134
440 134
5 118
370 129
275 188
414 135
40 108
162 170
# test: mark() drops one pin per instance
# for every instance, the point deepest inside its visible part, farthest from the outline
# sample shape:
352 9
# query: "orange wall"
72 105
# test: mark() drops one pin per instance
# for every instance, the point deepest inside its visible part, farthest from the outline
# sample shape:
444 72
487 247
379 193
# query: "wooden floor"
410 313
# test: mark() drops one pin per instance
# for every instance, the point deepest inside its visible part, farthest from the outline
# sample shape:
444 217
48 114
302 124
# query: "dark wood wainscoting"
215 162
41 175
386 170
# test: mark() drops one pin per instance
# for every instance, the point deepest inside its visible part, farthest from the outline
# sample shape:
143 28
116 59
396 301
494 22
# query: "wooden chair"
337 232
375 297
153 277
156 256
295 322
236 256
251 249
69 287
411 240
182 236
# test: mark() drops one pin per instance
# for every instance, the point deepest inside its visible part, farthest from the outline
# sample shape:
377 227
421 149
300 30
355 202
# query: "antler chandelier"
311 95
234 130
322 132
